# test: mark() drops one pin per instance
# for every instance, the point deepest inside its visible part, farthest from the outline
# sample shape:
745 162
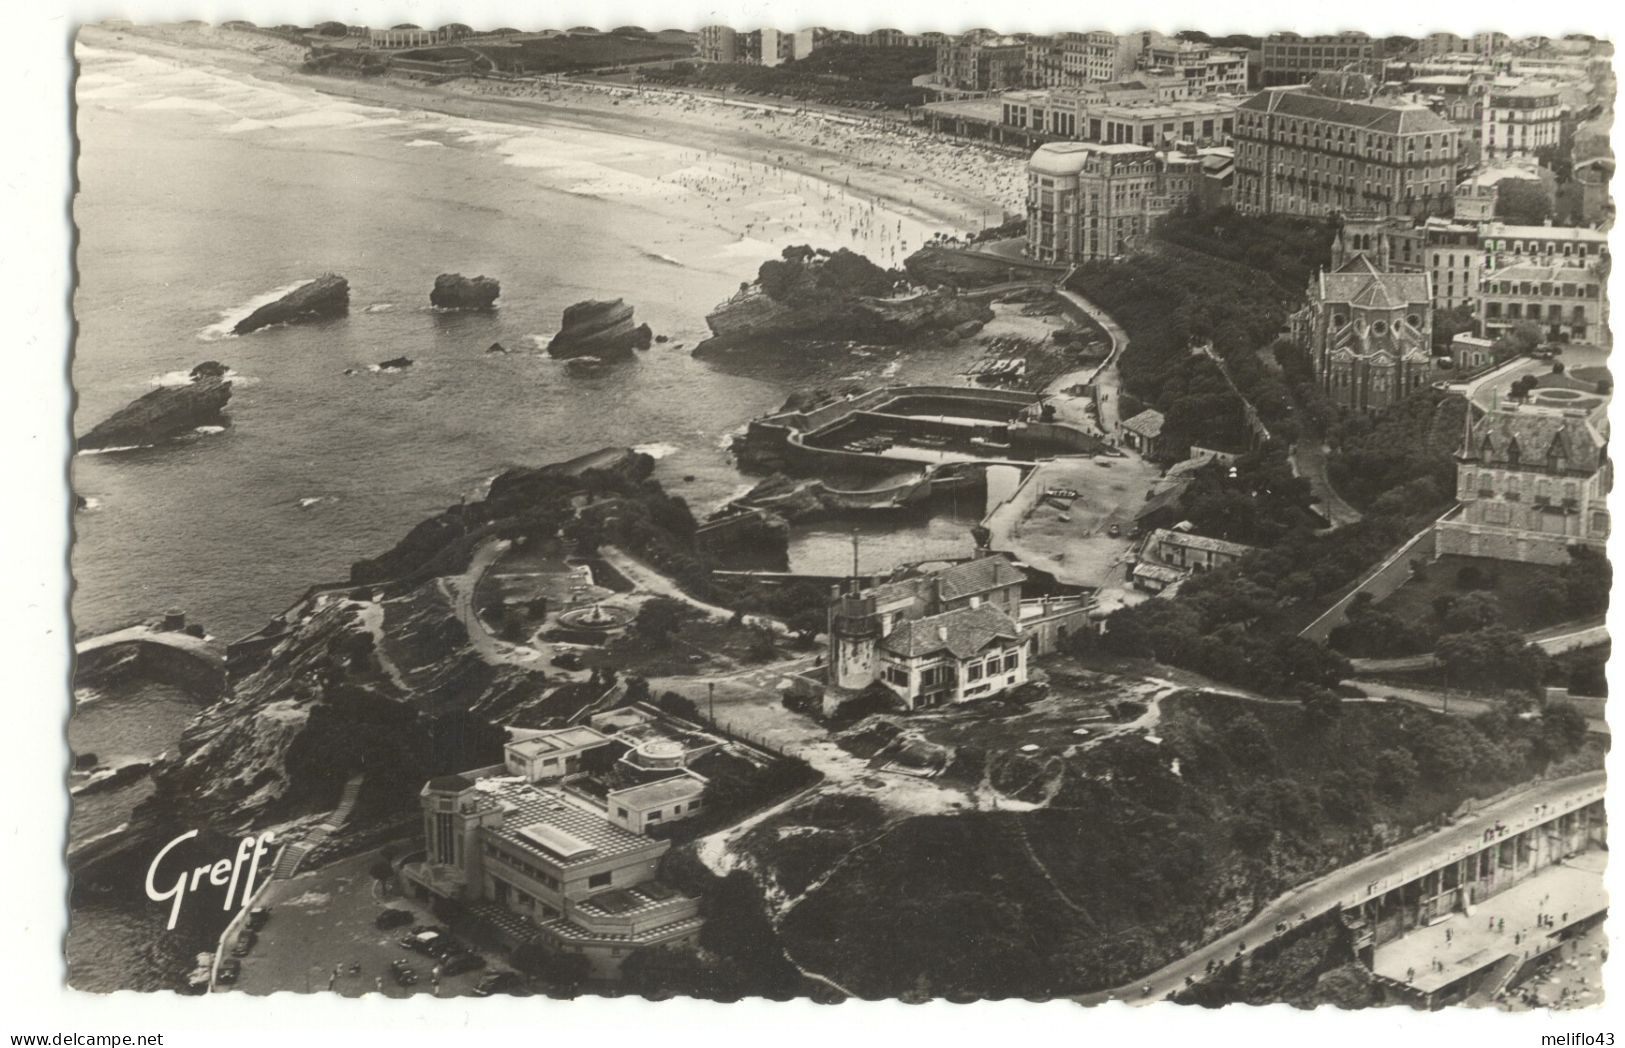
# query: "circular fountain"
596 621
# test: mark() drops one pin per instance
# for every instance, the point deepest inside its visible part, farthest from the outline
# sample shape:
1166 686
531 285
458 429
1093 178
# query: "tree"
1520 202
678 705
1492 657
1474 610
1448 323
1396 773
658 619
381 870
1523 338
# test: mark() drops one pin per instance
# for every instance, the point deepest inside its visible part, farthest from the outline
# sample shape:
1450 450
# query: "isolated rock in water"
396 364
600 329
326 296
497 347
209 369
163 414
455 291
662 338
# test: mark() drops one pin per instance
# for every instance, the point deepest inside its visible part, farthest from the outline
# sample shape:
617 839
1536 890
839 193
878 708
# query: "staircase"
1496 981
294 852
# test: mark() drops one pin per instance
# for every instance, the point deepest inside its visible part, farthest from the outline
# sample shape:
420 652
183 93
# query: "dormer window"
1513 452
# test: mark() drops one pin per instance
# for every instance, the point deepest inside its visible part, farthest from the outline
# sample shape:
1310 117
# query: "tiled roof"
1371 116
962 633
1201 542
977 576
526 805
1147 423
1358 282
1538 433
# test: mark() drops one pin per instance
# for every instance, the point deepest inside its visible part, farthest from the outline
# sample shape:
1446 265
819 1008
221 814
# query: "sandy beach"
942 184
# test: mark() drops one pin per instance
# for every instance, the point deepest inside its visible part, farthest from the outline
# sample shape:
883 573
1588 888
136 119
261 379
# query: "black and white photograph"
834 513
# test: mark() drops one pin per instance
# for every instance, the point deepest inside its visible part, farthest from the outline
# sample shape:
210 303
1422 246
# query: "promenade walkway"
1361 880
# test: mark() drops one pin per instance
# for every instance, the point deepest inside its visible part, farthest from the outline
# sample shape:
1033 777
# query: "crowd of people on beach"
892 149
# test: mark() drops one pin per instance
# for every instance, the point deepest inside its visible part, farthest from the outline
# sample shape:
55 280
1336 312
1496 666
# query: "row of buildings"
1281 59
983 61
771 47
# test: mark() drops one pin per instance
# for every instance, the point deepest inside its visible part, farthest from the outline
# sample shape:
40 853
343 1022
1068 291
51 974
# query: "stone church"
1369 331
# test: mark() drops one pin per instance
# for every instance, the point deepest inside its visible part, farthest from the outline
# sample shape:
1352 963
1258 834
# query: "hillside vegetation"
1143 852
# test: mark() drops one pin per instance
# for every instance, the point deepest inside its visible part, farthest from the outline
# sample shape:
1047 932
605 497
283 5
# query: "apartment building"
1289 58
1568 303
717 43
982 62
1205 69
1521 119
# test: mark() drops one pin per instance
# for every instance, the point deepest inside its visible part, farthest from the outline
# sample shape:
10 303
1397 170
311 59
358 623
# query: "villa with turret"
935 638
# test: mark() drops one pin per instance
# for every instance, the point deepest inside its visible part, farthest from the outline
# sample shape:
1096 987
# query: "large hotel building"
1301 153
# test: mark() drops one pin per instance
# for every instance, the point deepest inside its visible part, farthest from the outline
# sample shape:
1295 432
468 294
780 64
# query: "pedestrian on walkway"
378 983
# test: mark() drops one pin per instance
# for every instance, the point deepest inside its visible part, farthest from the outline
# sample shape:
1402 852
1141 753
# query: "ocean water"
204 192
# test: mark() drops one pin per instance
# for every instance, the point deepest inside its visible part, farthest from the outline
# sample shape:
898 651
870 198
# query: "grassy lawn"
1507 580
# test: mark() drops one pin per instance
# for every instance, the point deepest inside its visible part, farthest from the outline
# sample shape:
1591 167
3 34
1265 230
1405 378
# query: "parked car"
244 942
458 963
1115 530
445 946
421 942
500 981
258 916
390 917
404 975
231 970
567 660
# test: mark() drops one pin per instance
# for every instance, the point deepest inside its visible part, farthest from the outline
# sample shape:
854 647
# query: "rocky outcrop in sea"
810 294
752 316
455 291
599 329
161 415
326 296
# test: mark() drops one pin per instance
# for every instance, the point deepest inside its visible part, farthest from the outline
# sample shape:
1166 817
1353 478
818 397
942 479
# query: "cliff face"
163 414
390 690
599 329
326 296
455 291
754 315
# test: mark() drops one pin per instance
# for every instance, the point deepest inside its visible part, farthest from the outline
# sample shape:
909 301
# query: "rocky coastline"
833 297
164 413
380 678
326 296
